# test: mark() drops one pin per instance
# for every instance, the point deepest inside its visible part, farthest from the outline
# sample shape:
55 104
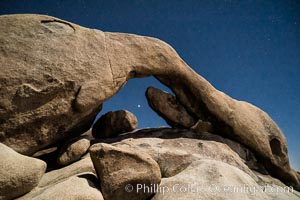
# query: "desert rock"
169 108
122 169
55 75
202 126
47 91
19 174
211 179
176 149
73 150
114 123
84 166
81 187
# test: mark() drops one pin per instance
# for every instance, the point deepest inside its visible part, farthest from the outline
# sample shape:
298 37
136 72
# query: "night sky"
248 49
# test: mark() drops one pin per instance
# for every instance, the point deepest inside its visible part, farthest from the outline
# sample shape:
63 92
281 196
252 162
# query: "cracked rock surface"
55 75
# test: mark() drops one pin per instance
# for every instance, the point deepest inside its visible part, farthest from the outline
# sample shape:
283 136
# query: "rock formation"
55 75
73 150
76 187
175 149
230 181
19 174
121 171
76 181
169 108
114 123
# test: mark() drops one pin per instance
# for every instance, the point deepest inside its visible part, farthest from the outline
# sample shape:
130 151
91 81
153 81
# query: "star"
139 106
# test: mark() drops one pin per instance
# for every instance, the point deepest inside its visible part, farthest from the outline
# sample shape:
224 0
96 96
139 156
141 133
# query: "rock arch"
89 66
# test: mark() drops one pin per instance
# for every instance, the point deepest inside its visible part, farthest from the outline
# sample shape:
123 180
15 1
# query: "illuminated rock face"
118 168
19 174
55 75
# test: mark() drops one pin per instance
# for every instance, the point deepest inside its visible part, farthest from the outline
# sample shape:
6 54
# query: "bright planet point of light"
139 106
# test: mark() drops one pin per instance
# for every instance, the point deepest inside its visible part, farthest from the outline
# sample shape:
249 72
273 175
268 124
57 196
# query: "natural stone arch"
74 72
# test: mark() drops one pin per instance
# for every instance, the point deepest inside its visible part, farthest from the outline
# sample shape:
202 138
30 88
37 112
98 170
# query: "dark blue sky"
248 49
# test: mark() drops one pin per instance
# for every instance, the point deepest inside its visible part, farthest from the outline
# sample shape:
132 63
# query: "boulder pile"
55 76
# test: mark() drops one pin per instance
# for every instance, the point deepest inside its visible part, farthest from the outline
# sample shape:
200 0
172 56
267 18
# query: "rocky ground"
156 163
54 77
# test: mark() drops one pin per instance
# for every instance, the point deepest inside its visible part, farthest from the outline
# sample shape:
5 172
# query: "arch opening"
132 97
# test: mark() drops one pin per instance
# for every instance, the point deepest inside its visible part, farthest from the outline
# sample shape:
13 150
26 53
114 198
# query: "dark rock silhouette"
114 123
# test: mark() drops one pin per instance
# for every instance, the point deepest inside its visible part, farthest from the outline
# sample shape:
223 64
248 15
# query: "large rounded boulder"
55 75
19 174
114 123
